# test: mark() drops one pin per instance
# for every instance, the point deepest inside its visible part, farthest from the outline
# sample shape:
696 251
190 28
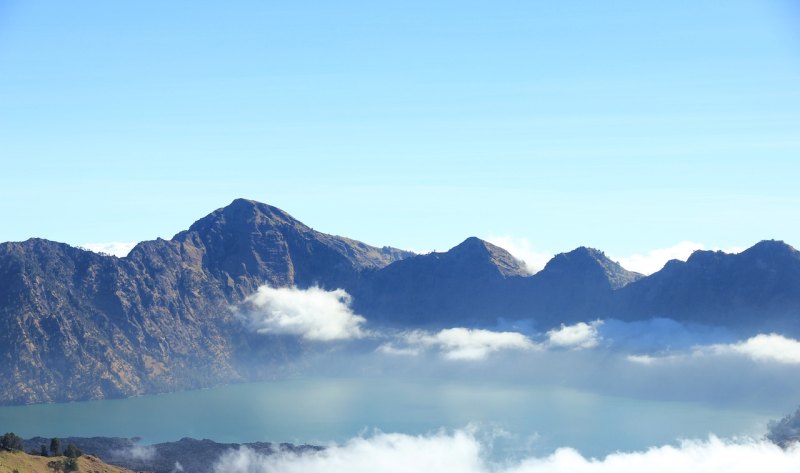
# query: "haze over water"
528 418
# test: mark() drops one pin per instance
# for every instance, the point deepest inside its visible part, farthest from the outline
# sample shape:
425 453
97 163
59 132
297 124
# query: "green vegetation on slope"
21 462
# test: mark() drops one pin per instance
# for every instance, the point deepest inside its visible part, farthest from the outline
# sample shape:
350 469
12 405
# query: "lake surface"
320 410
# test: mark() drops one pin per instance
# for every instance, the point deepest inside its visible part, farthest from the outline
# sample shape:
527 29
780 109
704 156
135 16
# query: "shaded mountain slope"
759 287
463 285
575 286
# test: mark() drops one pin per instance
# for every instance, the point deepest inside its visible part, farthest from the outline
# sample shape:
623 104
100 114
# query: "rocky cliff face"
78 325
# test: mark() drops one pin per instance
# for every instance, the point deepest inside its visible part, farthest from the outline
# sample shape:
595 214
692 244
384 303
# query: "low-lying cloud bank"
462 452
764 348
313 314
458 343
316 314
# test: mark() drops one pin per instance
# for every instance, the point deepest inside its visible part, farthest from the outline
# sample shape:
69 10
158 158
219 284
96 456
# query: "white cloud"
768 348
392 349
653 359
314 313
462 452
771 347
459 343
641 359
137 452
654 260
576 337
116 248
522 249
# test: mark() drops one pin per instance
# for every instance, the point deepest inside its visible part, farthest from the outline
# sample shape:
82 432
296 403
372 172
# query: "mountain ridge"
75 324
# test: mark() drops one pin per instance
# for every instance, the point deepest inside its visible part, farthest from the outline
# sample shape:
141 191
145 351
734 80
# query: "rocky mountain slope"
757 288
79 325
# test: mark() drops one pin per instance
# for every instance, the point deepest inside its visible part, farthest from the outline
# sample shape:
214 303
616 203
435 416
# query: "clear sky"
623 125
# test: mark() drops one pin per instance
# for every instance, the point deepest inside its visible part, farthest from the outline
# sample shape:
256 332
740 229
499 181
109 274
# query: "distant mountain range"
79 325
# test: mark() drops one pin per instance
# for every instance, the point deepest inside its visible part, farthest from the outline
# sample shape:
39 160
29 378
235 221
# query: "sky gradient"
622 125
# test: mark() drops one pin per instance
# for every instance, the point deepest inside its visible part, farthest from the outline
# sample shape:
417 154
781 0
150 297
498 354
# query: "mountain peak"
775 247
765 251
474 247
587 260
580 256
244 214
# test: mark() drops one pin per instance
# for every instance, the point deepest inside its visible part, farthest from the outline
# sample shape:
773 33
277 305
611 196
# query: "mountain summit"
247 244
457 286
589 264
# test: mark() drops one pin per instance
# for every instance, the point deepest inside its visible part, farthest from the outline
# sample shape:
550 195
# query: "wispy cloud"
458 343
523 250
463 452
576 337
137 452
654 260
313 314
116 248
766 348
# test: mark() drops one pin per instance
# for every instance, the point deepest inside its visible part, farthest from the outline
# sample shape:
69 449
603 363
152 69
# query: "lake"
319 410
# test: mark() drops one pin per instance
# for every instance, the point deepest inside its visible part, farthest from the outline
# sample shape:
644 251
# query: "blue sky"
622 125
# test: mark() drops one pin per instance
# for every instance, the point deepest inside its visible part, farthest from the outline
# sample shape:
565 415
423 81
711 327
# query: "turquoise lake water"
320 410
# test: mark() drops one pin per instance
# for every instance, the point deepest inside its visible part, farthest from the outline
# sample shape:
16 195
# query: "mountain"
593 268
572 287
463 285
757 288
248 243
80 325
475 283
